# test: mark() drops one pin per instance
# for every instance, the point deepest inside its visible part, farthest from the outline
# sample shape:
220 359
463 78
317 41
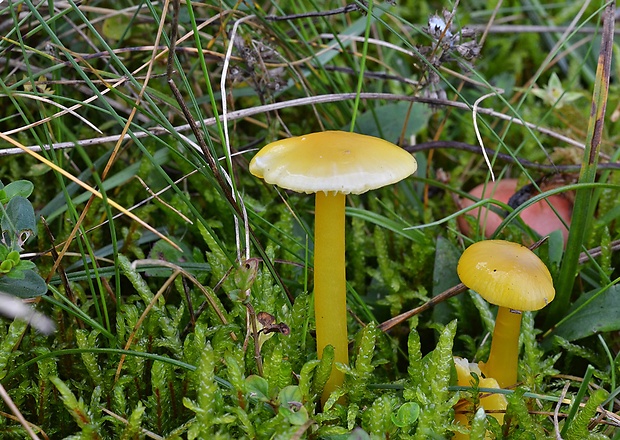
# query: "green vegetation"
180 285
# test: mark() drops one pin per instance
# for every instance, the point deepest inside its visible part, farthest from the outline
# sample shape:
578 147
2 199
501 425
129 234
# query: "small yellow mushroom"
491 402
512 277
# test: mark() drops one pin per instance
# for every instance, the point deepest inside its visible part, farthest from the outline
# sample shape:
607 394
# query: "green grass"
152 214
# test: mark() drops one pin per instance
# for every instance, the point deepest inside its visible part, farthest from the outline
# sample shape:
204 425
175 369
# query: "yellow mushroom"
512 277
490 402
331 164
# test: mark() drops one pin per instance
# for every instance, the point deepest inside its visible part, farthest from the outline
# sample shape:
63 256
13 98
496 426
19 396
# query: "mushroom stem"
504 356
330 282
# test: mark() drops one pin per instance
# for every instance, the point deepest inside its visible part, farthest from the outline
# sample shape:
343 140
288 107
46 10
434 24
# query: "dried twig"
9 402
318 99
456 145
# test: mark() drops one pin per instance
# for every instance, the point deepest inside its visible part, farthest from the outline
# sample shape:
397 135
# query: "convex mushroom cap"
332 161
506 274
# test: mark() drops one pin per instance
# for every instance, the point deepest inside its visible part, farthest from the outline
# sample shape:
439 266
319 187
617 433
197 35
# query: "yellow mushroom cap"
506 274
332 161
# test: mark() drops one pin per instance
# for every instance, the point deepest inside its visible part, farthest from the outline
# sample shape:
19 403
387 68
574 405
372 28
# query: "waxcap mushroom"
332 161
506 274
331 164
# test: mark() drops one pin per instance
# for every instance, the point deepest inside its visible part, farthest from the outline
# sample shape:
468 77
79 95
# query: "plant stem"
330 305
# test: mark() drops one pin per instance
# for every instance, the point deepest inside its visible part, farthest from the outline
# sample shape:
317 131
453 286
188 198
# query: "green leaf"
4 252
356 28
289 394
13 256
23 266
29 286
258 388
593 312
406 415
387 121
22 188
6 266
291 405
18 221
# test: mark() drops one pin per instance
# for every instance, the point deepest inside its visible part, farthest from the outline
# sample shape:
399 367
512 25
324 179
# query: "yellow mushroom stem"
504 356
330 303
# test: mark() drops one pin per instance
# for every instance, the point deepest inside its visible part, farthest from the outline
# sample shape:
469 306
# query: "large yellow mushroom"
512 277
331 164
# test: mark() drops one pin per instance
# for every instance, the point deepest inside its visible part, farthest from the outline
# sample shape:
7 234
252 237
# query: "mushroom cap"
506 274
332 161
